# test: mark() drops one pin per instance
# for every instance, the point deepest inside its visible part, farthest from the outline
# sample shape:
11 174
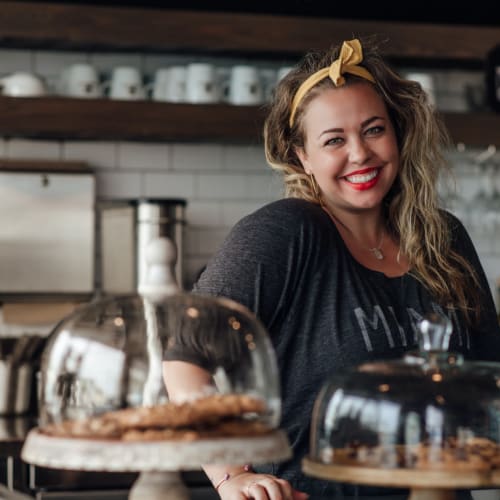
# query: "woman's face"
350 147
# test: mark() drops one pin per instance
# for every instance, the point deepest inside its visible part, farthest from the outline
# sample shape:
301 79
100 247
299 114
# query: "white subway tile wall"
100 155
16 60
169 185
119 185
221 182
41 150
140 156
206 158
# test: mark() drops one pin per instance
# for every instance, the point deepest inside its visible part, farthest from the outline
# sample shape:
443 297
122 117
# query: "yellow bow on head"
351 54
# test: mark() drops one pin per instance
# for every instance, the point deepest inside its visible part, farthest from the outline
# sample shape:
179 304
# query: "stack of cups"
126 84
244 87
169 84
202 86
80 80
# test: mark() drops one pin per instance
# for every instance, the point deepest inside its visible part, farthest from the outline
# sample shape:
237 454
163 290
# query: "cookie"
471 454
215 415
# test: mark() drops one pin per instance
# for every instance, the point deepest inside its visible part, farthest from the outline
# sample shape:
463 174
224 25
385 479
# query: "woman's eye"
333 141
378 129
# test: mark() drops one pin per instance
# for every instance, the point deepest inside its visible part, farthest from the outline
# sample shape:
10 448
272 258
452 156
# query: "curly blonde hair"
411 207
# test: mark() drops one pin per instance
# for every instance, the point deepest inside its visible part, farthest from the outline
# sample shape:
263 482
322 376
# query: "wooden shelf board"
474 129
105 119
66 26
30 165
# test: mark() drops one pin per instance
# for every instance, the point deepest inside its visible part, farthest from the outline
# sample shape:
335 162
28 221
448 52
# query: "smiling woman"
341 270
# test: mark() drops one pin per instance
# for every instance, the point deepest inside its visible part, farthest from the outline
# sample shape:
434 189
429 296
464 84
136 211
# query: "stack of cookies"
474 454
218 415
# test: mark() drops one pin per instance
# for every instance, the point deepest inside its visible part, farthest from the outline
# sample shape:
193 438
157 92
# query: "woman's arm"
183 380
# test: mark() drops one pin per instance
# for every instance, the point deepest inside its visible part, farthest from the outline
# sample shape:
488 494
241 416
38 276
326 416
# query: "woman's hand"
248 485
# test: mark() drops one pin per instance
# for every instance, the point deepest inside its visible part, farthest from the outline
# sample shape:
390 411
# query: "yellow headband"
351 54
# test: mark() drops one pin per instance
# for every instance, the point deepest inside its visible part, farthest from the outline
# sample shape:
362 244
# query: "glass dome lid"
116 354
107 355
430 410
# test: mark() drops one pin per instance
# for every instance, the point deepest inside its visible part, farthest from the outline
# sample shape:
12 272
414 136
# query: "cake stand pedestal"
158 461
424 484
164 485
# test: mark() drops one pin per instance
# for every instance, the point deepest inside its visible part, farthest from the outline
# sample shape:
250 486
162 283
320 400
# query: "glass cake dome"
429 411
108 368
107 355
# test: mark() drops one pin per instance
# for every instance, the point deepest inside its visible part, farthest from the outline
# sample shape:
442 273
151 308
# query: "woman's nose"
359 152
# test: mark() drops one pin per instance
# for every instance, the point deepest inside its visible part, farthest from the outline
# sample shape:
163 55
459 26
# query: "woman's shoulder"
451 219
283 222
294 210
459 236
455 225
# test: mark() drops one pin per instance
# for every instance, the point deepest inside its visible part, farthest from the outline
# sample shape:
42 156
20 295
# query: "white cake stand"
158 461
424 484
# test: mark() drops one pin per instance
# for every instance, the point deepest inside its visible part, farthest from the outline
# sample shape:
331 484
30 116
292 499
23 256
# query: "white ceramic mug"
245 87
80 80
22 84
170 84
126 83
201 83
427 82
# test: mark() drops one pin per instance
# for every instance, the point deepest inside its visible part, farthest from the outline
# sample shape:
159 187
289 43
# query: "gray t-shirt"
325 311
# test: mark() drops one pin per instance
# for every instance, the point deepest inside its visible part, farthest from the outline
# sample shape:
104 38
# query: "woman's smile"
363 179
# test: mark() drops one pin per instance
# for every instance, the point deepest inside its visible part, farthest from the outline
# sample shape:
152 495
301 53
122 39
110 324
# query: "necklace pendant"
377 253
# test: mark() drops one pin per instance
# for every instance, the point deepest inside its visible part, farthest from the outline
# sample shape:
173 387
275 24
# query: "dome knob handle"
159 281
435 332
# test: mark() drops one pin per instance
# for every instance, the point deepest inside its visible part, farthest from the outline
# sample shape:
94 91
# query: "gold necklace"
376 251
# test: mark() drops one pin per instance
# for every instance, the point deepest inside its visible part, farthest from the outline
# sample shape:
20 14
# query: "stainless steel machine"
125 229
47 221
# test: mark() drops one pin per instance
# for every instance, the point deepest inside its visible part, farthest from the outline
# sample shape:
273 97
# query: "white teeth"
360 178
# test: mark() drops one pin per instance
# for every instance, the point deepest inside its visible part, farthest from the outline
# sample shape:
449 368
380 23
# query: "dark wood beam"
107 119
66 26
59 118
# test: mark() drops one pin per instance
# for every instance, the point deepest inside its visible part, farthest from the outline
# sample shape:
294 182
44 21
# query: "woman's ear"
302 156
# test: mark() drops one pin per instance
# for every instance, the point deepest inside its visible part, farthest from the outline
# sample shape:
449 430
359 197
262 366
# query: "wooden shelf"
474 129
44 166
104 119
66 26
